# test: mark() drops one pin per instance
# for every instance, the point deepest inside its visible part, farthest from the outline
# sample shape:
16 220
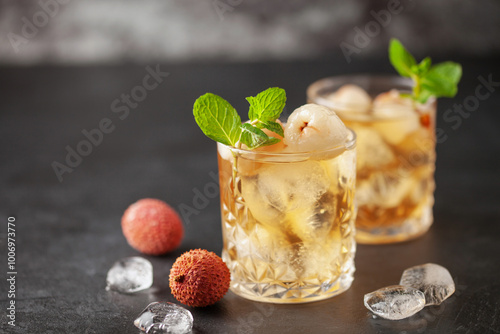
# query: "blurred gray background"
114 32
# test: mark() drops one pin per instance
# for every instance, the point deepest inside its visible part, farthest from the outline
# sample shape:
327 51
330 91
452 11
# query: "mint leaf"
449 70
423 95
253 137
271 141
401 59
267 105
272 126
220 121
424 65
254 107
442 79
217 119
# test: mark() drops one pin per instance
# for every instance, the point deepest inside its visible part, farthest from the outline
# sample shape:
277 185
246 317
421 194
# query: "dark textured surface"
69 235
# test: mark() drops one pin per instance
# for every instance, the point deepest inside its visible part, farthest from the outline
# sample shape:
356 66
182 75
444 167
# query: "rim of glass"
316 86
318 91
348 145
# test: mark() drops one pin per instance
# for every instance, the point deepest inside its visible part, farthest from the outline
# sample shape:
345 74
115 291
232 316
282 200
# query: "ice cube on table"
432 279
164 317
130 275
395 302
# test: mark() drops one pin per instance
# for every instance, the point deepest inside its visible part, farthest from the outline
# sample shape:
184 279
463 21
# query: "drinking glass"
288 222
396 156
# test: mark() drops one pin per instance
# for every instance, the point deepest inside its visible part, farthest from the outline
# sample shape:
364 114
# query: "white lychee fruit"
400 116
351 98
392 97
313 127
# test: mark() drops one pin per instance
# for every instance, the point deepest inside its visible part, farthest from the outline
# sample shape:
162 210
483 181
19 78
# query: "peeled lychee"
402 118
351 98
199 278
314 127
392 98
152 227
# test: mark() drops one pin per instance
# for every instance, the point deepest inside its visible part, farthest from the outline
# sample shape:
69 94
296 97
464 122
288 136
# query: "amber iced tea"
287 221
395 178
396 156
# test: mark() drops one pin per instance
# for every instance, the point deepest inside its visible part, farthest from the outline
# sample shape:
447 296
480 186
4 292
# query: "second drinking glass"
396 153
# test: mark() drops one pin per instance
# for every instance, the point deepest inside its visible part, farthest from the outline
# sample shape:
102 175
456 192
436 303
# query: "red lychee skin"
199 278
152 227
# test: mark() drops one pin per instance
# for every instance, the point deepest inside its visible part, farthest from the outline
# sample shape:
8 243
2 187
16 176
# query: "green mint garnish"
271 125
219 120
254 137
267 105
439 80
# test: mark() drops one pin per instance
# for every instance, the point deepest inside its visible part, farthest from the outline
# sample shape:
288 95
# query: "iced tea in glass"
288 222
396 153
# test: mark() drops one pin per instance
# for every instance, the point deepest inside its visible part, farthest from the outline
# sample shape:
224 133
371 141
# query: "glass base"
410 229
296 292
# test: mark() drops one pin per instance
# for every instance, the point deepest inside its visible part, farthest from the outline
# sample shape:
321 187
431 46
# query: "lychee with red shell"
152 227
199 278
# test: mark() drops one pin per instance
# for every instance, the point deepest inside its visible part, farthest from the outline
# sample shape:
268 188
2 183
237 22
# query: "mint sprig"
219 120
267 105
266 108
254 137
272 126
438 80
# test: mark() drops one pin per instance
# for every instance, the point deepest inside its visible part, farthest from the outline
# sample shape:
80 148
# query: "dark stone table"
68 234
